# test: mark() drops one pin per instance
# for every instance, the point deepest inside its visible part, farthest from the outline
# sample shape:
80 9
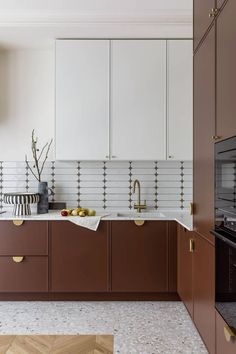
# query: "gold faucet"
138 206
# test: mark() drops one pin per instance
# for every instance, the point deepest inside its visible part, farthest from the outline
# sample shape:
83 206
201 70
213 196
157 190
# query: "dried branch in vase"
38 156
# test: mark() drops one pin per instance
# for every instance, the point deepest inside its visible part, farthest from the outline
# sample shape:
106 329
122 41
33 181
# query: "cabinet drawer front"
29 275
31 238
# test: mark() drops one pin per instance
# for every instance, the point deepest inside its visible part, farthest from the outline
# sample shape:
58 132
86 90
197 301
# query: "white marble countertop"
181 216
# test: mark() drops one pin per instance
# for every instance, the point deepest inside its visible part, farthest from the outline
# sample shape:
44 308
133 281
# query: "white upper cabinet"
124 99
138 99
82 99
179 99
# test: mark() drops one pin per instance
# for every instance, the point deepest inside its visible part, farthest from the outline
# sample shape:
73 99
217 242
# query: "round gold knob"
18 259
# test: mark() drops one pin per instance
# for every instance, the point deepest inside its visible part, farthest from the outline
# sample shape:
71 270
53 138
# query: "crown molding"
58 18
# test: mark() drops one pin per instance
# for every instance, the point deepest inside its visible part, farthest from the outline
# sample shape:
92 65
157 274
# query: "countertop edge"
183 218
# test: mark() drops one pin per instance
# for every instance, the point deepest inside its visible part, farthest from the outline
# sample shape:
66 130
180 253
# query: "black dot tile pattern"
104 184
53 181
78 184
26 177
156 184
182 185
130 185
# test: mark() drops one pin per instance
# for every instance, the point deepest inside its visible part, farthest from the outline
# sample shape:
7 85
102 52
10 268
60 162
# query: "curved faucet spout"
138 206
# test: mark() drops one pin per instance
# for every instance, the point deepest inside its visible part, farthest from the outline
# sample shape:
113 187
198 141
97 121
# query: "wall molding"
33 18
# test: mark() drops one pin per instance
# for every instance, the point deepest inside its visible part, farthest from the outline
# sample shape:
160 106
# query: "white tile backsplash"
105 185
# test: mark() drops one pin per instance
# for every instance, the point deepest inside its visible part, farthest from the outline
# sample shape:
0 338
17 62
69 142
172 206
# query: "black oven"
225 229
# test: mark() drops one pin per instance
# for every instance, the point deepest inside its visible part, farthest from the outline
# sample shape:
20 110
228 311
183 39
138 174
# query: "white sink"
143 215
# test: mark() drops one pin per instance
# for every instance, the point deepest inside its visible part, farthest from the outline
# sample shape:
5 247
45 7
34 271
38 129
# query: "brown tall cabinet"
226 73
214 120
196 282
204 132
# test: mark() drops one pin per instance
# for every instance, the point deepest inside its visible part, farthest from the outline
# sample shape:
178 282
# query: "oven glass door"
225 299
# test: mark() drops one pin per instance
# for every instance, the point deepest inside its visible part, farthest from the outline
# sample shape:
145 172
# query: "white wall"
26 100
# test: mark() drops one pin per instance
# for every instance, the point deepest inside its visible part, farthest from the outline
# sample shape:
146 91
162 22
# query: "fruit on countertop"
74 212
92 213
82 212
64 212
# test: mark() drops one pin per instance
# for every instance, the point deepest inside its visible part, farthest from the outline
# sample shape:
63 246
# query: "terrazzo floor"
138 327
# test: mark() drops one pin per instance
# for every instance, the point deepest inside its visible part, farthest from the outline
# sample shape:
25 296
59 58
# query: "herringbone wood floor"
63 344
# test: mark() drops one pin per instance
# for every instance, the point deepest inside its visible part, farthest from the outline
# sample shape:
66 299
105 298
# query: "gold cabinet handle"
139 222
18 259
229 333
215 137
18 222
213 13
191 245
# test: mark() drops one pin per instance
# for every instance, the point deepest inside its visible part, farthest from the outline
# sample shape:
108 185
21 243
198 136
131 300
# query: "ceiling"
28 23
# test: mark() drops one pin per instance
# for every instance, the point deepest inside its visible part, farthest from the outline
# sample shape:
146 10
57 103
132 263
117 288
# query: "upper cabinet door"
138 99
204 130
82 96
180 99
226 82
203 16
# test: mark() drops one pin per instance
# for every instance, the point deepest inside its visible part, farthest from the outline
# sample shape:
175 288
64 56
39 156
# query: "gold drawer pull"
229 334
18 222
215 137
139 222
191 245
18 259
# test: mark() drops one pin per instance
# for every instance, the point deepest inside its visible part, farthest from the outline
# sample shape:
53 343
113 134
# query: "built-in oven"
225 229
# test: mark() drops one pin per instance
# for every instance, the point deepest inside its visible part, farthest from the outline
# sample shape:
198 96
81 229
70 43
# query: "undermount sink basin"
143 215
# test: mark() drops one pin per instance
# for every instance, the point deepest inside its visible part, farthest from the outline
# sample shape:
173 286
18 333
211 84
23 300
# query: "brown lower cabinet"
185 268
79 258
140 259
223 345
204 290
196 285
62 258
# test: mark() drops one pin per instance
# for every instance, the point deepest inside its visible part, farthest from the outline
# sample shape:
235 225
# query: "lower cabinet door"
23 274
204 290
139 256
224 343
79 258
185 267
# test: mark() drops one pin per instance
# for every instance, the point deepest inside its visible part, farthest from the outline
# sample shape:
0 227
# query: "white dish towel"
89 222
